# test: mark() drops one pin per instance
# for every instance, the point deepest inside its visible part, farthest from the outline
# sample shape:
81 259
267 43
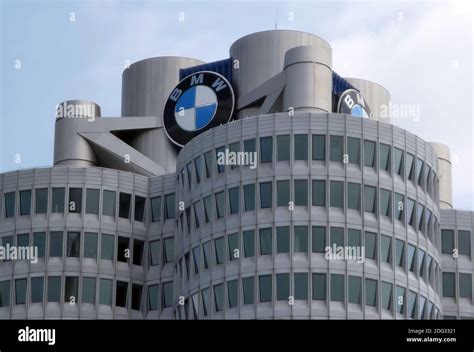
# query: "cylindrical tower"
445 175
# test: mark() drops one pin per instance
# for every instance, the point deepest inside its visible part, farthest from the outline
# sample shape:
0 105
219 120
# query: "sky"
51 51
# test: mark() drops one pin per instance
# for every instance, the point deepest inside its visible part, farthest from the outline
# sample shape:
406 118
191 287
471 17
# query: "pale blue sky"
422 52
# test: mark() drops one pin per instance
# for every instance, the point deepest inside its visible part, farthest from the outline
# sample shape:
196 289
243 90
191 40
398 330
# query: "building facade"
263 186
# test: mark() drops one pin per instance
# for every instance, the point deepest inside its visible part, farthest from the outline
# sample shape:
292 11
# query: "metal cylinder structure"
445 175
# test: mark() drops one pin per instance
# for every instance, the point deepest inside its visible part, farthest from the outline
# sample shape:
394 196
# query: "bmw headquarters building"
260 186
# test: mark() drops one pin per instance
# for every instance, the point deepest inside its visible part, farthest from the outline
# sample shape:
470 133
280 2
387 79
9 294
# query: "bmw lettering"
353 103
199 102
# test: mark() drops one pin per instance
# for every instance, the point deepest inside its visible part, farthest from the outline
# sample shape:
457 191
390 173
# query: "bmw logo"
353 103
199 102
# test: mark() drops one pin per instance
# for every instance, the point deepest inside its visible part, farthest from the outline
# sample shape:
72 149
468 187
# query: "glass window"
399 252
336 148
249 145
124 205
337 288
234 148
88 290
206 254
266 149
319 239
386 295
248 284
90 245
207 201
196 258
20 291
370 292
233 293
301 286
136 296
265 287
197 213
25 202
283 287
9 205
283 147
156 209
7 240
385 248
249 197
301 147
265 241
353 193
153 297
219 250
121 294
107 247
283 239
71 291
105 292
411 257
41 200
56 244
301 192
353 150
39 241
4 293
449 284
399 206
167 295
57 205
447 241
123 249
220 204
300 239
75 200
370 244
337 236
465 285
369 153
54 288
464 242
220 166
411 212
138 252
37 287
319 193
206 301
189 173
169 206
400 299
233 246
420 214
108 205
398 161
23 240
319 286
139 208
384 157
208 163
385 205
419 171
409 167
219 297
249 243
283 193
369 201
353 238
319 147
337 194
92 201
168 253
73 244
234 200
197 168
154 252
355 289
265 195
421 262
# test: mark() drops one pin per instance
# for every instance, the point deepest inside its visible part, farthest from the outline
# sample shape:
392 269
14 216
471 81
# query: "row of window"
297 239
339 194
465 285
305 286
369 153
463 243
91 245
93 203
93 290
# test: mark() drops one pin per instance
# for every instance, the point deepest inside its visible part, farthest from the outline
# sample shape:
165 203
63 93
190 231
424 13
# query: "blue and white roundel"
196 108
